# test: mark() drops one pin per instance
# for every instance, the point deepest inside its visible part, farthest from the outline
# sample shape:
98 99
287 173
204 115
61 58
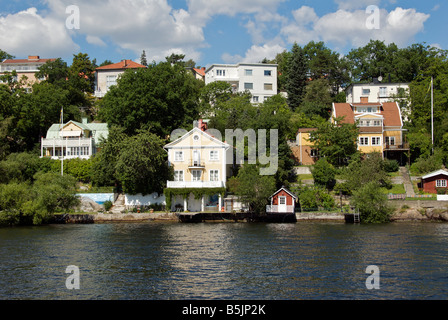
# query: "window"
111 81
255 98
282 200
376 141
268 86
365 92
390 141
196 175
383 92
214 175
248 85
363 141
195 137
248 72
178 175
178 156
377 123
314 153
441 183
221 73
214 155
267 73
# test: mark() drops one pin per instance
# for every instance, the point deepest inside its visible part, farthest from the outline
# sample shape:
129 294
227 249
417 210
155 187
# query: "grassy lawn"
396 189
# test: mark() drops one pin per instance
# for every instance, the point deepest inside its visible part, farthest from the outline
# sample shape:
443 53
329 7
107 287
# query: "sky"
212 31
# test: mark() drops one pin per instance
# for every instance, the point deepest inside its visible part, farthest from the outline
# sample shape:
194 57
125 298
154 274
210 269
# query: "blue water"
170 260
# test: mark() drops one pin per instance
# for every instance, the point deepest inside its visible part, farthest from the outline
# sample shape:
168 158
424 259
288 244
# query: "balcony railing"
66 142
196 164
277 208
195 184
404 146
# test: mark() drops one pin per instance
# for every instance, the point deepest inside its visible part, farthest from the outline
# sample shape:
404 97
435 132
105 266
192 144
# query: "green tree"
336 141
161 98
143 60
55 72
296 77
372 203
359 172
324 174
142 164
4 55
253 188
82 73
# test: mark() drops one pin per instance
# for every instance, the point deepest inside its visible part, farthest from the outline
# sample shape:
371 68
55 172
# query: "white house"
107 76
73 140
375 92
201 163
258 78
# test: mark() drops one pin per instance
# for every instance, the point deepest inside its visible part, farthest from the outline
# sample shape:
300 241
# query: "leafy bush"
372 203
107 205
391 165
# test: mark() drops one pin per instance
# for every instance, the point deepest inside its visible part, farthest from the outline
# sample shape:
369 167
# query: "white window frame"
390 141
268 73
214 175
178 175
383 92
365 91
248 72
214 155
363 141
280 198
248 86
441 183
111 81
196 175
268 87
176 158
376 141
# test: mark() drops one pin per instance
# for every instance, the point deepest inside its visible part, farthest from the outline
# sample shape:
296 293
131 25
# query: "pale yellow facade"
199 161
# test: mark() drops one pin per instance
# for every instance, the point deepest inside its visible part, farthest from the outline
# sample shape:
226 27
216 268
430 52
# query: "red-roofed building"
107 76
198 73
24 68
380 127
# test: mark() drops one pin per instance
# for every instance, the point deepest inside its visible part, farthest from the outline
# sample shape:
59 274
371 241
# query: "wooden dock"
196 217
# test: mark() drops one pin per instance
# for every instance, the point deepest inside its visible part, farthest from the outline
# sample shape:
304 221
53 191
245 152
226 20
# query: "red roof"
31 59
124 64
200 71
389 110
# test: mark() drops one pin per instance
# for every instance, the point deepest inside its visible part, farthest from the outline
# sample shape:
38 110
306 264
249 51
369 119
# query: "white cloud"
255 54
95 41
29 33
343 27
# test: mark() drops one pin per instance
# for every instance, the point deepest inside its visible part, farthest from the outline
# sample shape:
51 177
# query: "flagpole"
62 142
432 113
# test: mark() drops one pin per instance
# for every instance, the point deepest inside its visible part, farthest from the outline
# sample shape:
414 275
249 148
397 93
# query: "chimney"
124 63
364 99
33 58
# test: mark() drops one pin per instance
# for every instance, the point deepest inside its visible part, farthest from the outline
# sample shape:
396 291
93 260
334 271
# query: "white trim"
435 173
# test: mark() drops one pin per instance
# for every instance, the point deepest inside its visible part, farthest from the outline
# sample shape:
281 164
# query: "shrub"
372 203
391 165
107 205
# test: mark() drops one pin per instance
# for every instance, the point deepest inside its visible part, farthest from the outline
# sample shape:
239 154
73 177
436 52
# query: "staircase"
356 217
119 205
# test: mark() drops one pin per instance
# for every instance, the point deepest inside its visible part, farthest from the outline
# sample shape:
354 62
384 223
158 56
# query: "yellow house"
201 165
306 153
380 127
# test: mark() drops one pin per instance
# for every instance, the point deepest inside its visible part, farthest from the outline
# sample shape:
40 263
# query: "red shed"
282 201
437 180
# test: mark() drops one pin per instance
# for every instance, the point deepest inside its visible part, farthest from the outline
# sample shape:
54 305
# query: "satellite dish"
380 78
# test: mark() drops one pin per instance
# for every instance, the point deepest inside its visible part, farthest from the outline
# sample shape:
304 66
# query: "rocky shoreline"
405 211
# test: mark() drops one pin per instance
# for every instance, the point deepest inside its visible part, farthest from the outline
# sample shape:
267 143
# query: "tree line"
148 104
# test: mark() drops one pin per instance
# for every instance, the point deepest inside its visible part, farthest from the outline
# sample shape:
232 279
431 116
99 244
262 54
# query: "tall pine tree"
296 77
143 60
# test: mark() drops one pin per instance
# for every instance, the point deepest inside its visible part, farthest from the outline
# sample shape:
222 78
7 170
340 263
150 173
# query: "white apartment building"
259 79
376 92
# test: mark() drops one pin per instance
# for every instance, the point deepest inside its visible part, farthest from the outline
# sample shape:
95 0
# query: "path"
410 193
